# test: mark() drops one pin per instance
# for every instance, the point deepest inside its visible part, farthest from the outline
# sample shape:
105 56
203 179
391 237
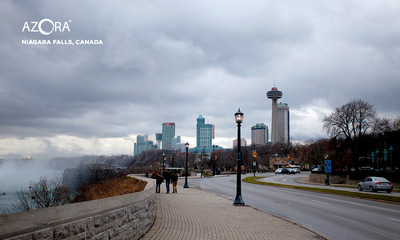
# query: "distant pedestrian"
167 177
159 180
174 179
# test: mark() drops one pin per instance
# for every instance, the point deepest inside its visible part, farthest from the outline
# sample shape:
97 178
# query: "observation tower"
274 94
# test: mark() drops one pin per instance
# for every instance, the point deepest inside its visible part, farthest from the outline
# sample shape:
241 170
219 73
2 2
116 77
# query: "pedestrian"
167 177
174 179
159 179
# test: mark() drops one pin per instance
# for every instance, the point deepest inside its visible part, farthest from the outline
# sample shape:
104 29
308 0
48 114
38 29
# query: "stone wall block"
101 236
61 232
77 227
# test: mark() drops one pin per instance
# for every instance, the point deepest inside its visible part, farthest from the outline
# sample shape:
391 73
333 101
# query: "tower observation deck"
274 94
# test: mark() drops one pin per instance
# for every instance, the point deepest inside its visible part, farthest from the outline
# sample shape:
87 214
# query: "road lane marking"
320 202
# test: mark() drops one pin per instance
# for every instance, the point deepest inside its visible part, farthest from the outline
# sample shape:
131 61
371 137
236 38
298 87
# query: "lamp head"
187 145
239 116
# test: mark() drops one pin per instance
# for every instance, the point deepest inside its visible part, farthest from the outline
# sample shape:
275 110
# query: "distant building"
274 94
142 144
159 139
243 142
176 143
259 134
168 133
205 133
283 123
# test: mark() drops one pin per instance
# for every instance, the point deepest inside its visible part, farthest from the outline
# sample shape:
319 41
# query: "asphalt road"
292 180
336 217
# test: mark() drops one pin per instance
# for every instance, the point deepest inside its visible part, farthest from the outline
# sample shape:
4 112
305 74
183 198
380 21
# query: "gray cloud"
175 60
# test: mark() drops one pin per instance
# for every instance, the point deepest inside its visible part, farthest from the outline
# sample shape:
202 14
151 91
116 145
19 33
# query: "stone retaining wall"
127 216
333 179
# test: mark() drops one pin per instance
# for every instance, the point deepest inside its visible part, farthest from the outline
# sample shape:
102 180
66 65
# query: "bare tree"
351 120
42 194
382 125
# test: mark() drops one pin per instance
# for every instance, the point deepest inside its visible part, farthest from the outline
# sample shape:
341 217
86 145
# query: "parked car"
278 171
285 171
317 169
366 168
375 184
292 171
296 170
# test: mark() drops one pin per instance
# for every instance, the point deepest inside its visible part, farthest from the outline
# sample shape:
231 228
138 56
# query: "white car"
375 184
278 171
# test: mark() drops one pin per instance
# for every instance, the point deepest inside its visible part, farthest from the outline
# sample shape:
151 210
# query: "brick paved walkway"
195 214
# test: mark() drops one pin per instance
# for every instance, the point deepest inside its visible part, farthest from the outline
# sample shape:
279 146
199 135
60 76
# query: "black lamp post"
163 164
186 174
213 160
238 200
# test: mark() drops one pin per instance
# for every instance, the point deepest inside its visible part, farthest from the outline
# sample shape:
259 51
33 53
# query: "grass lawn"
385 198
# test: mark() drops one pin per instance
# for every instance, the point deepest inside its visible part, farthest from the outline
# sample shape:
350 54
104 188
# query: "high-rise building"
168 133
283 124
142 144
159 139
176 143
259 134
205 133
274 94
243 142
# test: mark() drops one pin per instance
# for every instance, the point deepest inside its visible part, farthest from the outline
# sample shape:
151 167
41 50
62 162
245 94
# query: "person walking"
167 177
174 179
159 180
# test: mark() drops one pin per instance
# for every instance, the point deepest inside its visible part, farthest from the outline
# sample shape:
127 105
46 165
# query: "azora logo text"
46 26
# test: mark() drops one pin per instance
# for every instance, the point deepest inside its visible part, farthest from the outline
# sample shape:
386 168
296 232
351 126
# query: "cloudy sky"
170 61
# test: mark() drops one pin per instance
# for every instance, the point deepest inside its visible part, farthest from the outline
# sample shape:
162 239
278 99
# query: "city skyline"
162 62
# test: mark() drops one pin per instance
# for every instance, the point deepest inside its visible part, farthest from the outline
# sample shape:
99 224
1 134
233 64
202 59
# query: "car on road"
285 171
316 169
278 171
366 169
296 170
375 184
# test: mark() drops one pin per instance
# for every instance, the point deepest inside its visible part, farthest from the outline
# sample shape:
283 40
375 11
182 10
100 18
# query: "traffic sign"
328 166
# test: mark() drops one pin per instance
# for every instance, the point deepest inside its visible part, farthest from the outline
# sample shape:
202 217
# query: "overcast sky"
170 61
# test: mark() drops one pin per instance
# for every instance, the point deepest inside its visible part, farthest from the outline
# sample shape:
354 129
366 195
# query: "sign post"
328 170
254 163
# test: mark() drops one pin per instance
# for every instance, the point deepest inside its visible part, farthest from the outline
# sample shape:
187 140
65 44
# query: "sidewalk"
195 214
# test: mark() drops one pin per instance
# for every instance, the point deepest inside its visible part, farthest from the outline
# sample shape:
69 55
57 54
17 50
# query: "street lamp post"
213 161
377 158
238 200
163 164
391 162
385 152
254 162
186 174
372 158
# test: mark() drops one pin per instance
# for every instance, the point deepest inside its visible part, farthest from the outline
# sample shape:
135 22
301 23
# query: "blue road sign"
328 166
